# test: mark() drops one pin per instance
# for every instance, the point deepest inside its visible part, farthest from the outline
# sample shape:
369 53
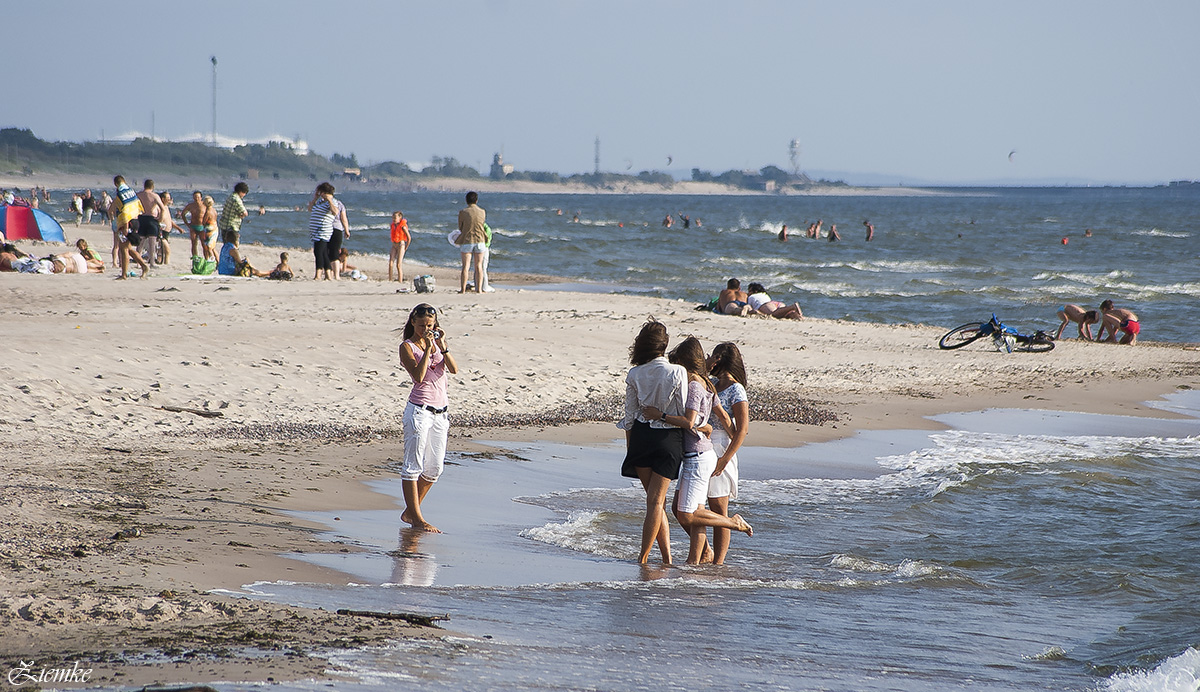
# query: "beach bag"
243 269
203 267
424 283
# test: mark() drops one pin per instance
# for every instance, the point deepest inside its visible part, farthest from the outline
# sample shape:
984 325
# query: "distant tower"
794 156
214 63
597 154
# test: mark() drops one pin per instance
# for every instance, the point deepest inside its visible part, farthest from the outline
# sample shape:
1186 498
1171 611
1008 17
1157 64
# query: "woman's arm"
687 421
416 369
737 427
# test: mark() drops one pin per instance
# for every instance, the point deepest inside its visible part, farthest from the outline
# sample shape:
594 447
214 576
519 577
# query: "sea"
1012 550
946 257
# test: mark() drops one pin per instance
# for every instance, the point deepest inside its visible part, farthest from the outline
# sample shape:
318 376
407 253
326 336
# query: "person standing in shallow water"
654 448
426 420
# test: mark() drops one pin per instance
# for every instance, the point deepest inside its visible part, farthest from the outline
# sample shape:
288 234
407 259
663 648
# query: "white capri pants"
424 443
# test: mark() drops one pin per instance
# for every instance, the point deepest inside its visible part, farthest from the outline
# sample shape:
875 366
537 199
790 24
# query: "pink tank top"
430 391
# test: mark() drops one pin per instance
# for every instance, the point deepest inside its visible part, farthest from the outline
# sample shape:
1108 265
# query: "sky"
914 92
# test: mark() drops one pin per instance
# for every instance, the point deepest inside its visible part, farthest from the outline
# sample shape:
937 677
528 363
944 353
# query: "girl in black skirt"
654 448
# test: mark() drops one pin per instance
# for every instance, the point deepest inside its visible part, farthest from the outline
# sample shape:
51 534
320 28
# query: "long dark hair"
690 354
422 310
650 343
727 360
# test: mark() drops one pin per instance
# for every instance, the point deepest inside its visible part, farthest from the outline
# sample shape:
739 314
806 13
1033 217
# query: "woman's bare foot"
706 557
742 525
421 524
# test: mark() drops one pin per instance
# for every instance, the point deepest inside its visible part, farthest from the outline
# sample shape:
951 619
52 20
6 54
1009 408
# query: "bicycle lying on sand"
1005 338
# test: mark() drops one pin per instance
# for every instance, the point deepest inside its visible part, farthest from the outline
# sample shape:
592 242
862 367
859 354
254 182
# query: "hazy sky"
918 90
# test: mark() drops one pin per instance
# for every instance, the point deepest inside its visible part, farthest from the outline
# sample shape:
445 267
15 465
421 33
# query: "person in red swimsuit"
400 240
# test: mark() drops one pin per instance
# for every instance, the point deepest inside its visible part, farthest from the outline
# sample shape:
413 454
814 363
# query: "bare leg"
1062 326
414 495
655 527
462 277
131 251
720 539
123 254
477 260
400 263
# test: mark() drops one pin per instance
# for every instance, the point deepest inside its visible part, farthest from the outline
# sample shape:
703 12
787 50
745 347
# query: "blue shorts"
471 248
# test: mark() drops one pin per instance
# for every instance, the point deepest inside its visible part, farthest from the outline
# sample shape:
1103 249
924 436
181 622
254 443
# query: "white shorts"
726 484
693 480
424 443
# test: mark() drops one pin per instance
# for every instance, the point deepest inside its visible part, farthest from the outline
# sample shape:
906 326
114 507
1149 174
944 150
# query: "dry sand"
157 431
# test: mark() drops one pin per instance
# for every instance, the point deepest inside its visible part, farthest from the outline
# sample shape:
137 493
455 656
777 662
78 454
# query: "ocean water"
1019 550
942 259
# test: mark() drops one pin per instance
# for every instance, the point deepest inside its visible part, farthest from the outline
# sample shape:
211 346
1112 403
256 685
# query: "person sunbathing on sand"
732 300
760 301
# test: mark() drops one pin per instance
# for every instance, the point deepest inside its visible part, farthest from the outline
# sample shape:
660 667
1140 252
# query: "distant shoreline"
94 181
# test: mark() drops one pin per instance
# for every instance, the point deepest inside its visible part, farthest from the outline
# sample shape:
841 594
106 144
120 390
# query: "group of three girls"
668 406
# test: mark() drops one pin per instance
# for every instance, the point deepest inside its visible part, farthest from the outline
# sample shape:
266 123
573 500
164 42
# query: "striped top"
320 222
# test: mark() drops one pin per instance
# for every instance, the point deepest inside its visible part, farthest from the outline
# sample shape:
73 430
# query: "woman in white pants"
426 421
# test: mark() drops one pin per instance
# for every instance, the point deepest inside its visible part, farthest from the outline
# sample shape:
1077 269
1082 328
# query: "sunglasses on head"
424 310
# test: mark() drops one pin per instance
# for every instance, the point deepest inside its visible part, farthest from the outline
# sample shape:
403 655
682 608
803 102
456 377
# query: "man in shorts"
193 216
130 207
149 229
471 241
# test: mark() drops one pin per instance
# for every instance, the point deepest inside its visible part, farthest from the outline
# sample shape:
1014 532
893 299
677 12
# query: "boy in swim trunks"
1119 319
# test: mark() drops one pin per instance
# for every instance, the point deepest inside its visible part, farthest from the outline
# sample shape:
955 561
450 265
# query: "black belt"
434 411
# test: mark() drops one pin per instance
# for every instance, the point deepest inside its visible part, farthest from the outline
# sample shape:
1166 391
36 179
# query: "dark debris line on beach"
770 405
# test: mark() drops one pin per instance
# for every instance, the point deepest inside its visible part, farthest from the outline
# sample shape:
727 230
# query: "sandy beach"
159 431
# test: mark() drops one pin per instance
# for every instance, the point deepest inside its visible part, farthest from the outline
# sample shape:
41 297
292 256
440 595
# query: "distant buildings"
500 170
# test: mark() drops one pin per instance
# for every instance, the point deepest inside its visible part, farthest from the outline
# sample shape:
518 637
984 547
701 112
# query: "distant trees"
752 180
449 167
350 161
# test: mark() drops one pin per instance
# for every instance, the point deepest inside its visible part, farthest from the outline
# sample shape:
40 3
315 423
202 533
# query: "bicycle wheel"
1038 343
961 336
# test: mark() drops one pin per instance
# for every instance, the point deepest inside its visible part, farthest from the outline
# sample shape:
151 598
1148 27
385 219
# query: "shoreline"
60 182
127 513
